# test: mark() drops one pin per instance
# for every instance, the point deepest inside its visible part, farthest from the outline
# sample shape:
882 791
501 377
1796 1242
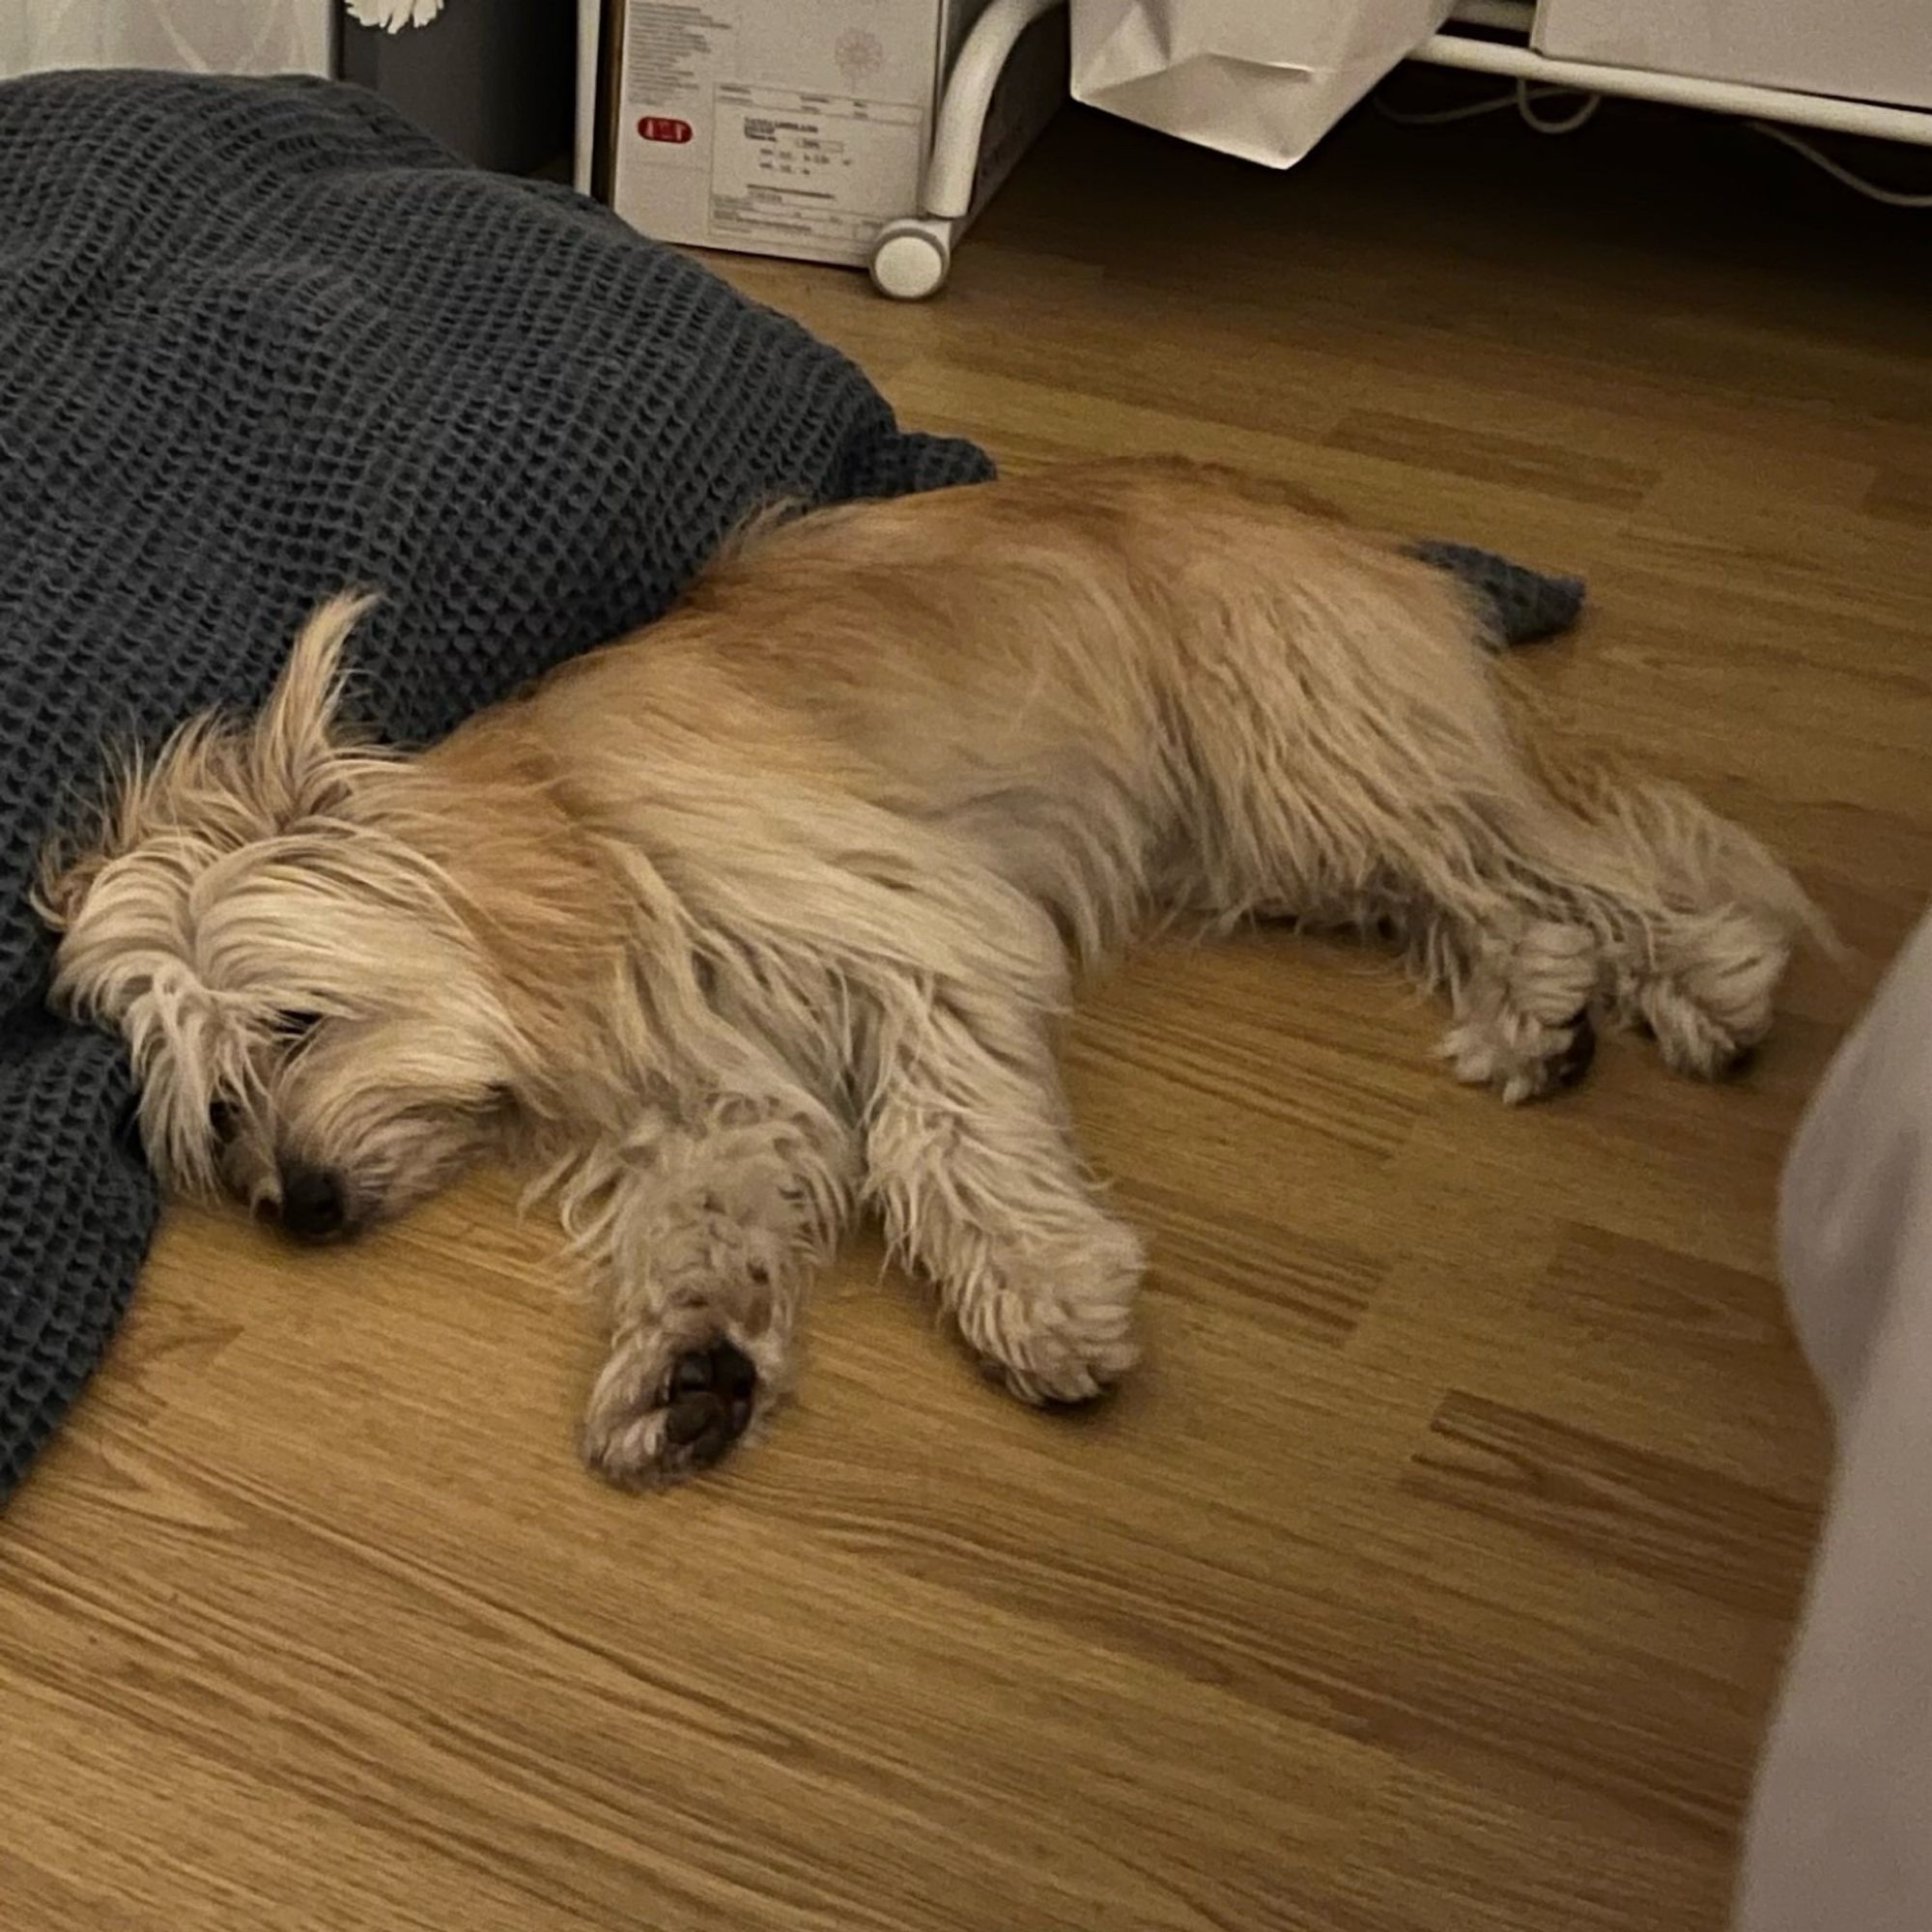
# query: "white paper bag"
1264 79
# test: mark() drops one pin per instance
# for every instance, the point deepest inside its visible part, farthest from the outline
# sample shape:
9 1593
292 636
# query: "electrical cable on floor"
1837 170
1525 100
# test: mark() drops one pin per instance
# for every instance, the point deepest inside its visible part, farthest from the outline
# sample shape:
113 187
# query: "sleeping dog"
762 916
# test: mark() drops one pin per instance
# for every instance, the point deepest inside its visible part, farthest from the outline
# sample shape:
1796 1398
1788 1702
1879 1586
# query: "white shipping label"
823 168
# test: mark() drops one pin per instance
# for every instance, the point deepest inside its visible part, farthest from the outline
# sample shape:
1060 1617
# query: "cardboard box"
798 127
1875 51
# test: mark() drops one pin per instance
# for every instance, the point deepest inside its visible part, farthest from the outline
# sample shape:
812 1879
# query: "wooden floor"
1434 1572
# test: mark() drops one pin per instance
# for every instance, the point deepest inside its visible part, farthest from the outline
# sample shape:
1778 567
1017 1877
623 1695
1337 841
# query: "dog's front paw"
1058 1328
664 1409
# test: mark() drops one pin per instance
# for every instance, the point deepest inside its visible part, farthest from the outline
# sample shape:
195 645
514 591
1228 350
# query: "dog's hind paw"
660 1412
1710 1011
1524 1058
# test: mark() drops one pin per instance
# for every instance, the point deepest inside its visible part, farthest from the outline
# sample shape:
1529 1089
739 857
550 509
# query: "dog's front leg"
705 1227
970 1158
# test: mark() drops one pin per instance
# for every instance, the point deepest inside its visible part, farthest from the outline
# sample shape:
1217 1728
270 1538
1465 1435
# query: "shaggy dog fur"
738 924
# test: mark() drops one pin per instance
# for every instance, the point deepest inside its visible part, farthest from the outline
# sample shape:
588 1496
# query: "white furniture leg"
912 256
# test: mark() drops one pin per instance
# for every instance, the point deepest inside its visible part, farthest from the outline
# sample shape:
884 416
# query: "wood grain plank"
1687 1527
1489 456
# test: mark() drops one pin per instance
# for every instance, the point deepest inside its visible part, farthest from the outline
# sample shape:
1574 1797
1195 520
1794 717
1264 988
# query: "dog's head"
314 1025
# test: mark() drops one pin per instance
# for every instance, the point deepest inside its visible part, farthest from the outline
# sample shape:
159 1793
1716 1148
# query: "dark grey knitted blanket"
258 340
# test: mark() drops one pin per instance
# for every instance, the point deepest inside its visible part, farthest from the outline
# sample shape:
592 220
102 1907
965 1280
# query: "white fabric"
177 36
1264 79
1840 1835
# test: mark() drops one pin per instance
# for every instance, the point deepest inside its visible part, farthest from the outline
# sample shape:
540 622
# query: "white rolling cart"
912 255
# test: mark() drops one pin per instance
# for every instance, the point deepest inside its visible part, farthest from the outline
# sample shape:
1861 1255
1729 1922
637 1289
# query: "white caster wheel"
911 257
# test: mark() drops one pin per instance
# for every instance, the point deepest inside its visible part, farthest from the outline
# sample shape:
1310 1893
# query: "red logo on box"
660 128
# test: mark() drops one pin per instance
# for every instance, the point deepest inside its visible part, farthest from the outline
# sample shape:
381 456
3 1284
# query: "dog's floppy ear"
75 856
227 781
293 743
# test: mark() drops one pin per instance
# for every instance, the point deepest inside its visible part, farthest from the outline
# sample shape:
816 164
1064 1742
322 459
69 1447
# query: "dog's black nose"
312 1205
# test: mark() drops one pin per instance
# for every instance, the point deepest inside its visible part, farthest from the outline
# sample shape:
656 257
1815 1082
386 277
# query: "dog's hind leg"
1356 765
1696 959
1521 991
1354 768
970 1158
1632 900
705 1225
1675 922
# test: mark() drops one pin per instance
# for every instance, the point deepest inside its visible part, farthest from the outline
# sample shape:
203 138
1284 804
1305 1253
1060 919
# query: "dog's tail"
1519 606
